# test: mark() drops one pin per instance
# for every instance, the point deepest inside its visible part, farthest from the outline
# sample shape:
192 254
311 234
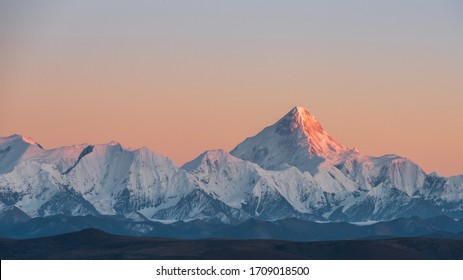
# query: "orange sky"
192 82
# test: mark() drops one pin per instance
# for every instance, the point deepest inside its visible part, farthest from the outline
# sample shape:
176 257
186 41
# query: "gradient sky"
181 77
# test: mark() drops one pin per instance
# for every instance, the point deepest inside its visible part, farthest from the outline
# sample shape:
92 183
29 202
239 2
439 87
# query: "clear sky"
181 77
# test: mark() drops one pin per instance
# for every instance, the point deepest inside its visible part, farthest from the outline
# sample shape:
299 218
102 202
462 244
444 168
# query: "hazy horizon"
183 77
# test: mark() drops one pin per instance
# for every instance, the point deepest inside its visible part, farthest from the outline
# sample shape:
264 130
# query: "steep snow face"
295 140
330 194
16 149
354 185
445 190
389 170
224 177
260 193
400 173
39 190
116 180
13 149
453 191
290 169
15 138
87 179
299 140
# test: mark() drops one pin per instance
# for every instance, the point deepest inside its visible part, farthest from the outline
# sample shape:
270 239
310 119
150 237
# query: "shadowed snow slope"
291 169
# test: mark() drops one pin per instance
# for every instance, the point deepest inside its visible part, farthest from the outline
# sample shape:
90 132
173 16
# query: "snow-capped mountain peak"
15 147
319 141
19 138
297 140
291 169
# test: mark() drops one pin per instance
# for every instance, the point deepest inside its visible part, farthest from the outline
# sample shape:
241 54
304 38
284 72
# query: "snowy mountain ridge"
291 169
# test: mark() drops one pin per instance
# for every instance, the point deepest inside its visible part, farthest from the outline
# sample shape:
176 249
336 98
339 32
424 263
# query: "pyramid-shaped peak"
298 114
297 140
300 120
299 111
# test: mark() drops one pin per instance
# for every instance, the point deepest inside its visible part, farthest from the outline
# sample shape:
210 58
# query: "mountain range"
292 169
